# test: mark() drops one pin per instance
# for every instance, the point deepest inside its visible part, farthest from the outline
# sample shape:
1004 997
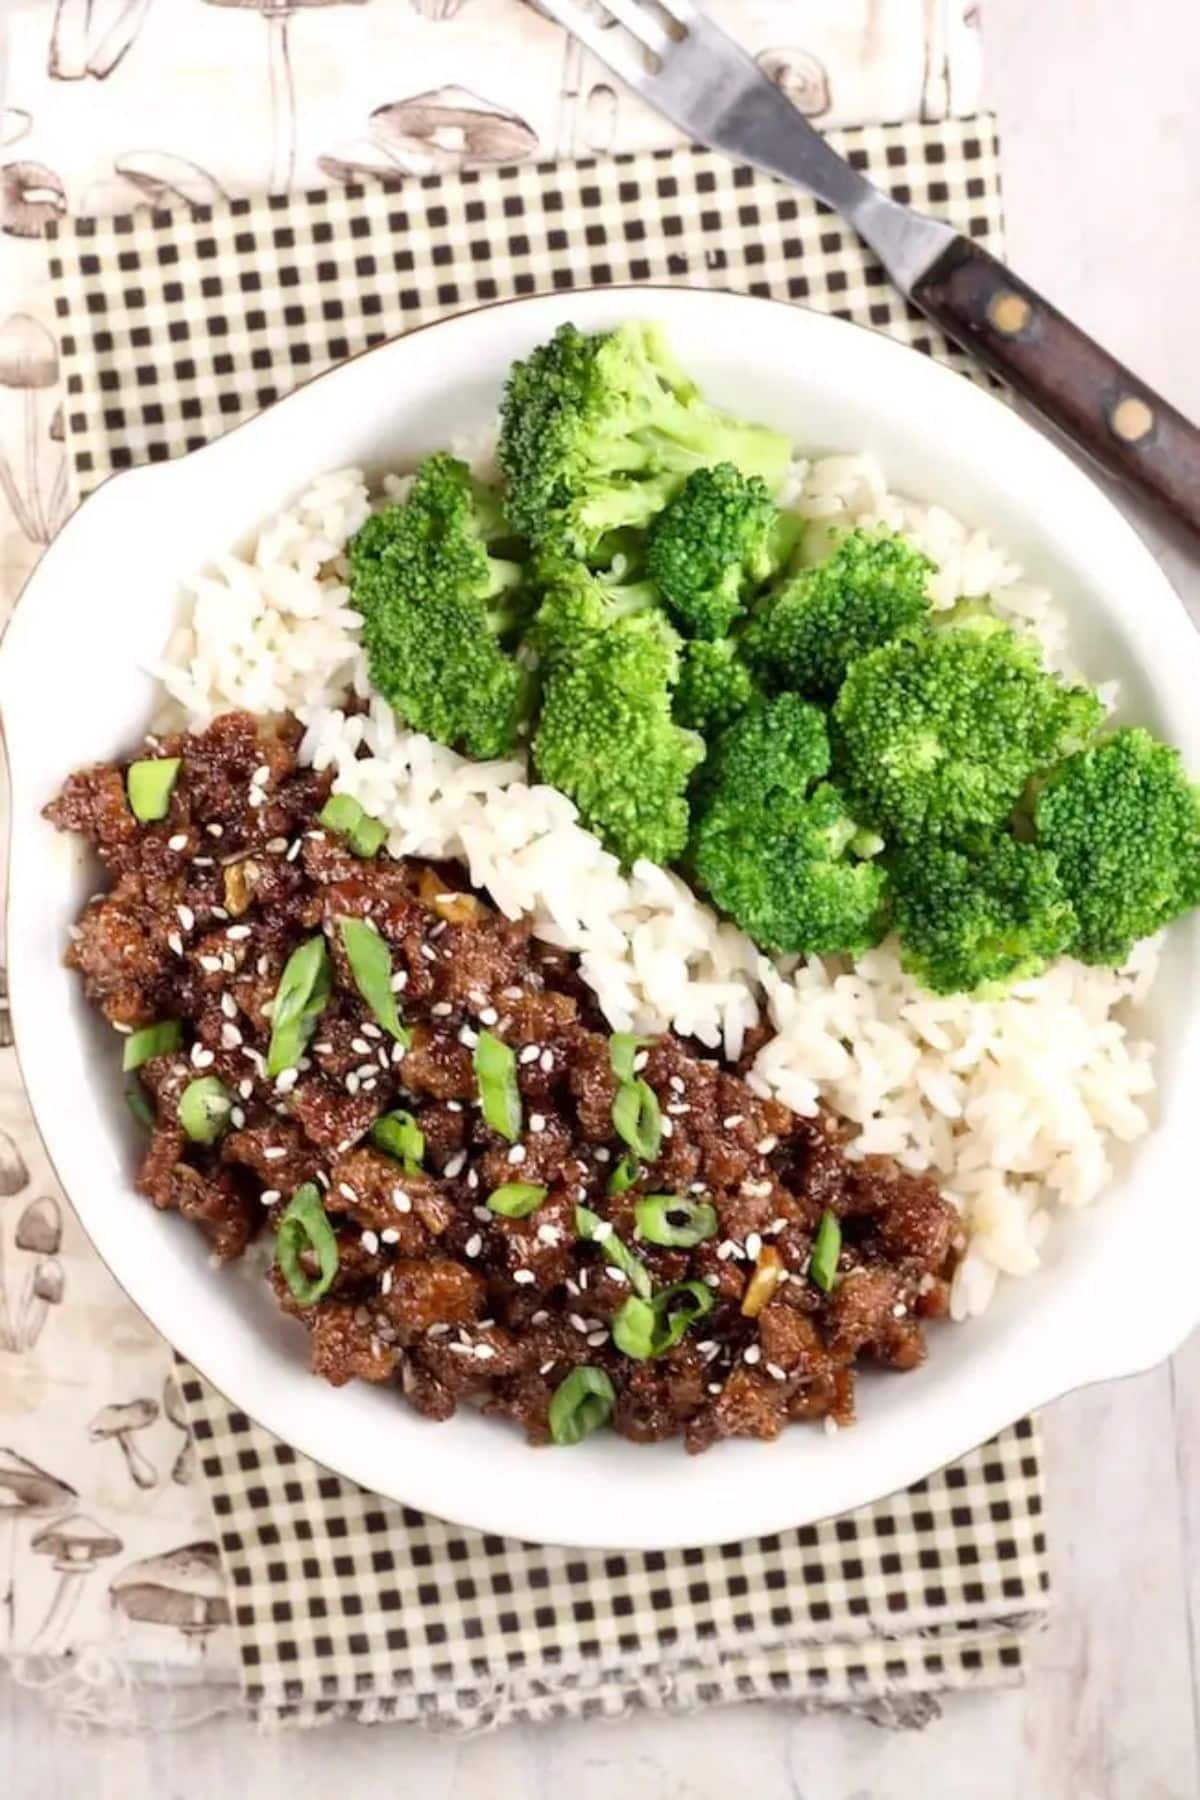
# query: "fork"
683 64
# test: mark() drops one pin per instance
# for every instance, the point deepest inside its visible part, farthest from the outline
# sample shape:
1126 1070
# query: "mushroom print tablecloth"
111 1594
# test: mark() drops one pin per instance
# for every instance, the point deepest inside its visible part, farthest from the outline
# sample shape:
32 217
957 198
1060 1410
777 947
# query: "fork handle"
1079 387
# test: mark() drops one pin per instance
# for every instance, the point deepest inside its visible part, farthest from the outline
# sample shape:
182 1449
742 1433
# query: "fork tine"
640 23
587 28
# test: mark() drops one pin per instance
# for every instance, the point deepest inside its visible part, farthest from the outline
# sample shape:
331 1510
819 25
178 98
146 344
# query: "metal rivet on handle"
1131 419
1009 313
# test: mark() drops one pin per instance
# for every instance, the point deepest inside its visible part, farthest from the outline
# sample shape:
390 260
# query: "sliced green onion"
138 1102
680 1224
343 814
151 1040
304 988
588 1224
304 1226
150 785
827 1247
371 966
499 1094
623 1047
624 1174
204 1109
648 1327
637 1119
398 1134
581 1404
516 1199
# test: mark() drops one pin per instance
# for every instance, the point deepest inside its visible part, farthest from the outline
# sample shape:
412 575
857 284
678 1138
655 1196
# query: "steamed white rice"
1015 1104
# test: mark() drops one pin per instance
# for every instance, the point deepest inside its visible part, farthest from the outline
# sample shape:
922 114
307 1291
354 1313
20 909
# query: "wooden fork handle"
1054 365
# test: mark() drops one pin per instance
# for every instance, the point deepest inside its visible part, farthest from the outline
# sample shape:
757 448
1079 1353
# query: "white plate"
1119 1288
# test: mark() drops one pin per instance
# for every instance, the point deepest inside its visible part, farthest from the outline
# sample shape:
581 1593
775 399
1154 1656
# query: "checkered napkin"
345 1604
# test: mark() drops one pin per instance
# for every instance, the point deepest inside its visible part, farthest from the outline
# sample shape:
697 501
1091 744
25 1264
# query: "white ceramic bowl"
1119 1287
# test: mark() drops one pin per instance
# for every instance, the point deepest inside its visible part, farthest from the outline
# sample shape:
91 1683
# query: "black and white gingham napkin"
174 327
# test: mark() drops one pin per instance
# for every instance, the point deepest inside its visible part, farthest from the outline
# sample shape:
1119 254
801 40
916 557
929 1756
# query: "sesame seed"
733 1120
484 1352
178 842
668 1130
454 1165
679 1108
428 952
435 931
765 1145
454 1106
202 862
617 1275
602 1232
468 1037
399 981
676 1082
725 1250
712 1281
261 775
472 1179
202 1058
753 1245
549 1234
775 1372
293 850
776 1226
546 1367
595 1339
524 1277
276 846
236 933
757 1190
398 1051
385 1285
640 1061
482 1214
707 1347
602 1154
370 1242
578 1323
401 1201
714 1387
540 1318
473 1245
286 1080
899 1310
269 1196
214 830
546 1061
488 1016
274 1154
517 1154
366 1072
460 1349
360 1046
210 964
245 1089
583 1281
237 1116
529 1054
218 912
351 1083
228 964
229 1006
256 797
369 1029
390 1236
175 942
231 1037
382 1054
751 1354
441 1009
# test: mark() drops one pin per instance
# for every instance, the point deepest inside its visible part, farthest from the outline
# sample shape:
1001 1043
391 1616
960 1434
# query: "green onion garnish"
588 1224
499 1095
516 1199
151 1040
637 1119
648 1327
304 988
624 1174
680 1224
138 1102
581 1404
204 1109
827 1247
343 814
398 1134
305 1227
371 966
150 785
623 1047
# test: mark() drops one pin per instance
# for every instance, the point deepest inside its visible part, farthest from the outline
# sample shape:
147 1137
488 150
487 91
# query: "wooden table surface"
1101 132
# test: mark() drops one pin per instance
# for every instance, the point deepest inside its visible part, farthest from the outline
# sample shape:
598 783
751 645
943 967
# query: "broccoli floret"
805 634
937 733
980 921
578 602
599 431
437 610
605 735
714 686
773 844
1123 820
720 538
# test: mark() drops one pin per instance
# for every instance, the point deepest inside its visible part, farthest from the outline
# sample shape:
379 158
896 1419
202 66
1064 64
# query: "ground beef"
434 1292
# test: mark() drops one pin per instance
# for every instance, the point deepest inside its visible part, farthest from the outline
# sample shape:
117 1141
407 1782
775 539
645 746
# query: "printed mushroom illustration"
39 1232
120 1422
77 1544
278 17
32 197
26 1492
802 77
449 128
13 1174
28 364
90 37
185 1463
184 1588
15 123
165 180
437 9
